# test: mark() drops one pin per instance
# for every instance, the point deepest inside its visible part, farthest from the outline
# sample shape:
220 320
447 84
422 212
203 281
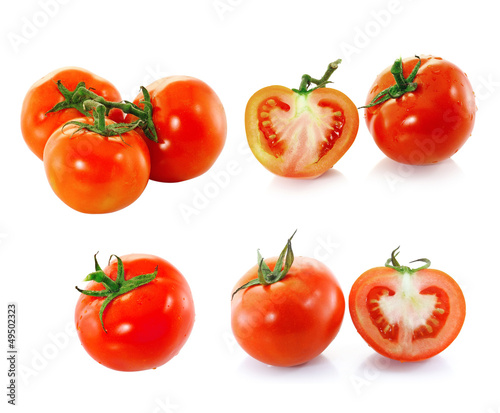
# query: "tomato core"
283 131
424 314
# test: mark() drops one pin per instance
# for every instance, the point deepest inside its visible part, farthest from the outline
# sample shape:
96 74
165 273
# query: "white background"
350 219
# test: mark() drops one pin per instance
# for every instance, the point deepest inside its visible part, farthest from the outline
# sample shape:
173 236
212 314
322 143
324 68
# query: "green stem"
394 264
114 288
401 87
307 79
89 103
264 273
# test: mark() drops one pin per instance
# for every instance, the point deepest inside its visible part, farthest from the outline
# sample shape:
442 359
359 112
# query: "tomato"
294 317
300 133
93 173
429 123
190 124
405 314
138 329
37 125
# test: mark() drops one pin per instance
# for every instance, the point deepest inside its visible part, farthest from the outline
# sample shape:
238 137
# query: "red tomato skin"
37 126
388 277
94 174
145 327
301 161
191 126
292 321
428 125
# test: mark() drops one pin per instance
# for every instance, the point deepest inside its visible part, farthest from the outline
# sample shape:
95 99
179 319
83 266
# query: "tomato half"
37 125
191 126
291 321
426 125
407 315
93 173
300 133
143 328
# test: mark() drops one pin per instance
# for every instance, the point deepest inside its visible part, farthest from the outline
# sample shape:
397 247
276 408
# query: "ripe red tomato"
142 328
430 123
404 314
300 133
37 125
290 321
190 124
93 173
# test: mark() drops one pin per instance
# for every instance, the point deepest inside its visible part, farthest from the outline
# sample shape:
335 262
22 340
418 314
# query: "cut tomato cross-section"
300 133
407 314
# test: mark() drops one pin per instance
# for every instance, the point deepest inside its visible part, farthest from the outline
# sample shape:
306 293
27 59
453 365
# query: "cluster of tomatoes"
138 312
103 164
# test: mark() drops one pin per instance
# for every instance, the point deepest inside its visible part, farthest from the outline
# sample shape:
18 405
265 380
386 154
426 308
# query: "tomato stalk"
394 264
307 80
114 288
89 103
401 87
265 275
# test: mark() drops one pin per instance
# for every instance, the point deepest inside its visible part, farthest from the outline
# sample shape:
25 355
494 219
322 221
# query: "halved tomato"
300 133
407 314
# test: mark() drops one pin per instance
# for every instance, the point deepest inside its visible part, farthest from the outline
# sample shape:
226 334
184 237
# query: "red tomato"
429 124
143 328
37 125
404 314
190 124
291 321
93 173
300 133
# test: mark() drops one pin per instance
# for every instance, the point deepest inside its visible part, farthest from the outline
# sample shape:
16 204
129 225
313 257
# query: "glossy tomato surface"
190 122
407 317
291 321
300 134
145 327
429 124
37 125
96 174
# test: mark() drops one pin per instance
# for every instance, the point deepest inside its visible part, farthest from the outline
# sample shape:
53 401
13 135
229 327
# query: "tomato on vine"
191 128
38 122
96 170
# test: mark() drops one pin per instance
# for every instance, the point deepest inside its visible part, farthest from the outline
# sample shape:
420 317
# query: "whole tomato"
93 173
421 110
301 133
286 313
136 314
190 125
407 314
37 125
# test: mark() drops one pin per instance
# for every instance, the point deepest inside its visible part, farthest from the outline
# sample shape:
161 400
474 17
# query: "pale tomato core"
409 313
302 133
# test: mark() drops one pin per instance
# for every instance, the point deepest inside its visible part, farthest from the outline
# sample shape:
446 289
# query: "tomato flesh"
407 317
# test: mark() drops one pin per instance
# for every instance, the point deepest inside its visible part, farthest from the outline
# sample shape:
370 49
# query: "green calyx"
307 80
401 87
394 264
114 288
89 103
264 273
